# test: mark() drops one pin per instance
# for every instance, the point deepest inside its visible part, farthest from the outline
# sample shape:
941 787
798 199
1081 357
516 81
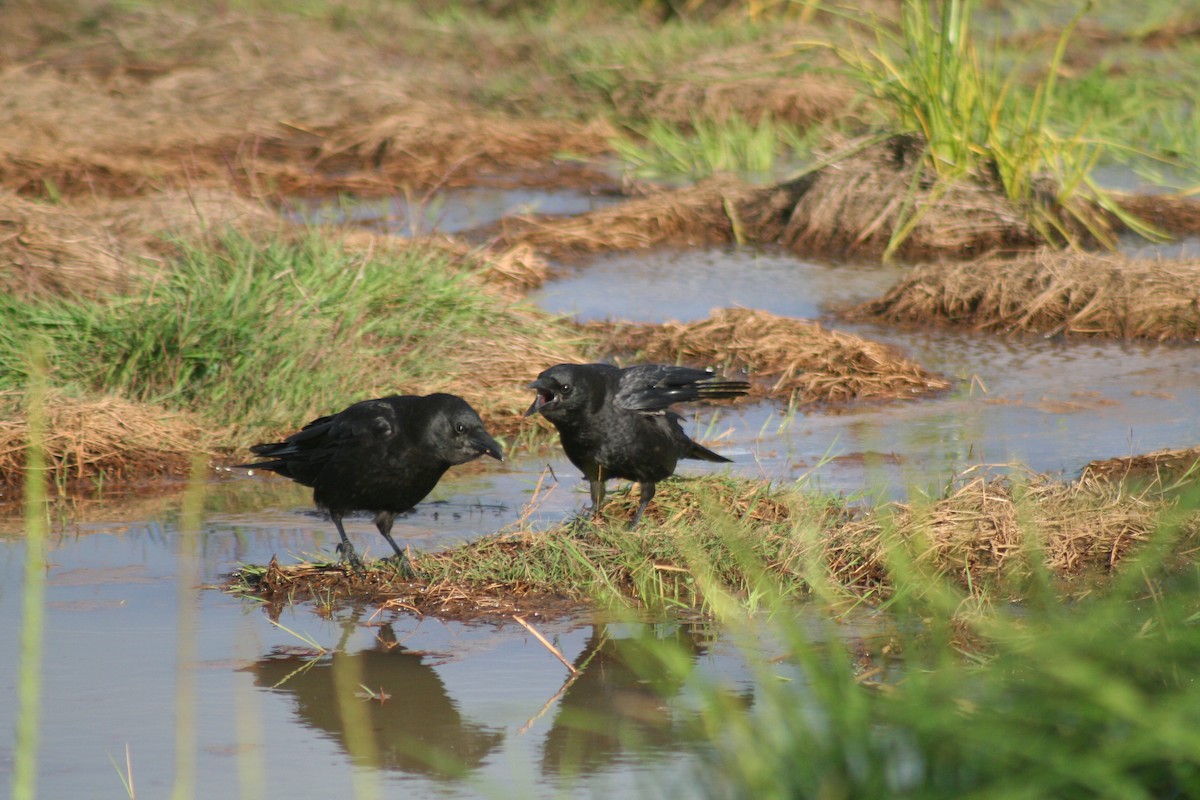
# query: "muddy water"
267 720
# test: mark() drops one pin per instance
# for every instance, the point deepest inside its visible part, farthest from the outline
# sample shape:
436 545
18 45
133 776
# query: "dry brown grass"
103 247
1175 214
853 206
47 249
850 208
789 359
1051 292
987 536
1161 466
703 214
989 531
163 98
800 100
104 439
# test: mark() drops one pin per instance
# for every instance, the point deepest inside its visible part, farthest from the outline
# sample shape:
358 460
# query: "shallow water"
449 211
1051 404
266 720
267 723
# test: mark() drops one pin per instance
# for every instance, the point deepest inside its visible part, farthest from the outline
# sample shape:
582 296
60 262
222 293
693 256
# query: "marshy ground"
218 221
149 151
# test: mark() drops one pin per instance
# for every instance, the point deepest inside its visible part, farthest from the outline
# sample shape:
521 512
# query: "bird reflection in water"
619 703
418 729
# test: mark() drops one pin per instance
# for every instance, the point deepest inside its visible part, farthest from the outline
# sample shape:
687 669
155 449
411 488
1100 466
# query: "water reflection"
414 725
619 705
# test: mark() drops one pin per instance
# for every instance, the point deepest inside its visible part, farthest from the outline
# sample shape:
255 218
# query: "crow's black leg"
647 488
597 489
345 548
383 521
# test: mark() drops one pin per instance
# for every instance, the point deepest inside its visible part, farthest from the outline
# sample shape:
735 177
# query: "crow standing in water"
380 455
614 422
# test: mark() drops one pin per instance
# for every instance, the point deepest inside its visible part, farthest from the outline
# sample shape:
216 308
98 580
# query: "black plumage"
382 455
615 423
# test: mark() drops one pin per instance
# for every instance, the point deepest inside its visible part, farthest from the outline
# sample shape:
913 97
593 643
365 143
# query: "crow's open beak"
544 395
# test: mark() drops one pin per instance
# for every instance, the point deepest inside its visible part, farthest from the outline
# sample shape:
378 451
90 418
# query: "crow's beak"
489 447
544 395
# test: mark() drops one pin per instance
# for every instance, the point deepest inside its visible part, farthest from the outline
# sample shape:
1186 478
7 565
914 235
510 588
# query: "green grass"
259 334
754 150
931 79
1093 698
29 678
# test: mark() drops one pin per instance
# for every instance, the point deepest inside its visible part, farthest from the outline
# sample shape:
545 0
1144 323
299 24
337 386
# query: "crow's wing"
652 388
302 455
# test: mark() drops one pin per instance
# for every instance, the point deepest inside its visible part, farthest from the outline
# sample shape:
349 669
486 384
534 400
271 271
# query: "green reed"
946 697
29 680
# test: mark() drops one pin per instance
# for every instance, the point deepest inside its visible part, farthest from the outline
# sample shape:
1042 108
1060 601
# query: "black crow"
379 455
614 422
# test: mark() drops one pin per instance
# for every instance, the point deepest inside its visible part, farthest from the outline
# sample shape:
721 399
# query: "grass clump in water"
975 125
713 537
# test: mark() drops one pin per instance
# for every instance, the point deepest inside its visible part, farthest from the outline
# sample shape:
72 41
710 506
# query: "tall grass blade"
186 647
29 678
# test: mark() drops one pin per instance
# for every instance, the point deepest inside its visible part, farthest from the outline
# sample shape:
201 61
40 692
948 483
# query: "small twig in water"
546 644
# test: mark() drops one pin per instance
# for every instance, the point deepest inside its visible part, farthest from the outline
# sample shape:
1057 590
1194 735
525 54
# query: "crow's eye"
565 389
460 428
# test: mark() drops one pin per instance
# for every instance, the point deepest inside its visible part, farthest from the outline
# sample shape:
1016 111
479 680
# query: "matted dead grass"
1161 466
107 439
47 249
799 100
988 537
787 358
989 531
849 208
707 213
106 247
1053 292
854 205
169 98
1176 214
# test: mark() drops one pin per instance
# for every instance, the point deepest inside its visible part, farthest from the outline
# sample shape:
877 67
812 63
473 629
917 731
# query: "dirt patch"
101 440
1051 292
788 359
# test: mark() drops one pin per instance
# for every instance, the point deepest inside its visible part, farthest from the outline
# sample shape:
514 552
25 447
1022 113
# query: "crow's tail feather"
702 453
